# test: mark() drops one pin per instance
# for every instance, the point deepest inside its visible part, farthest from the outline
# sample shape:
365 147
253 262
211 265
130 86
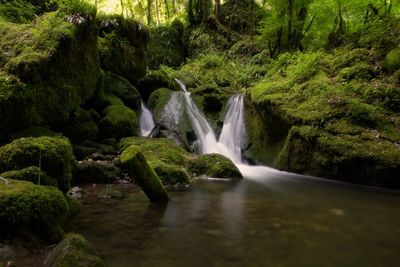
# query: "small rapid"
146 121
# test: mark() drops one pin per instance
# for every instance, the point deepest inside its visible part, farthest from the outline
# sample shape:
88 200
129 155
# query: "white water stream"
232 138
146 121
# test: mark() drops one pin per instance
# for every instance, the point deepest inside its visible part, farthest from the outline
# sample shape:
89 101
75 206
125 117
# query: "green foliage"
392 60
75 250
31 174
18 11
78 6
121 88
27 207
56 157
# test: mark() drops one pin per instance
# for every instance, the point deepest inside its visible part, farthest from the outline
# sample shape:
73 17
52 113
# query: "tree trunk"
290 23
217 8
149 19
157 13
166 8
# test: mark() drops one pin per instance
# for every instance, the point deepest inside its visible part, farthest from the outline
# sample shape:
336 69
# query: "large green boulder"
74 250
214 165
32 174
26 209
118 121
122 45
81 126
48 68
53 154
144 174
123 89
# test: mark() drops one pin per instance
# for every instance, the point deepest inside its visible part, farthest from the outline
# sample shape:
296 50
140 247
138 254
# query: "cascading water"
146 121
232 135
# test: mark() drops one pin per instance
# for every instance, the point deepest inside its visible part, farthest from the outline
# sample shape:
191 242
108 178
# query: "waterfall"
233 133
146 121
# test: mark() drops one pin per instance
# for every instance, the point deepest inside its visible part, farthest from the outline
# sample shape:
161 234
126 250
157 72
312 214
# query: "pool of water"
267 219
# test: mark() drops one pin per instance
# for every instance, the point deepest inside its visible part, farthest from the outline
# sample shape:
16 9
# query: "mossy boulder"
32 174
118 121
392 60
368 160
166 157
54 154
214 165
81 126
48 68
74 250
123 89
91 171
158 100
144 174
122 45
26 209
153 81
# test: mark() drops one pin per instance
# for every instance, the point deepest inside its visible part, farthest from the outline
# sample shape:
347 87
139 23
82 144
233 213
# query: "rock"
90 171
54 74
74 250
31 209
121 88
54 154
118 121
144 174
81 126
31 174
153 81
214 165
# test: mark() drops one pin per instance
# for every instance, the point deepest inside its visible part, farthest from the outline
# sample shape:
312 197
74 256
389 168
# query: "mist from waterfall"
146 121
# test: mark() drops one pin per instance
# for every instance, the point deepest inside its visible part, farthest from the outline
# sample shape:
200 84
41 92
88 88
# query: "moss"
368 160
166 46
153 81
144 175
17 11
80 126
95 172
111 99
29 208
34 131
75 250
158 100
118 121
392 60
31 174
215 165
55 154
121 88
122 42
48 68
359 71
170 174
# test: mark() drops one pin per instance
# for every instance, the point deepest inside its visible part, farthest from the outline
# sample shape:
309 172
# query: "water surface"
267 219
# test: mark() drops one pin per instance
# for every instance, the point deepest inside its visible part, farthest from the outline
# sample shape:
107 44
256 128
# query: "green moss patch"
215 165
75 250
29 208
54 154
118 121
32 174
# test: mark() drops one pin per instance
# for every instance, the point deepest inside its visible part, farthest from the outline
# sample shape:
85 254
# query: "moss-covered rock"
47 69
26 208
392 60
158 100
368 160
122 43
153 81
54 154
144 174
121 88
118 121
32 174
91 171
74 250
214 165
81 126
